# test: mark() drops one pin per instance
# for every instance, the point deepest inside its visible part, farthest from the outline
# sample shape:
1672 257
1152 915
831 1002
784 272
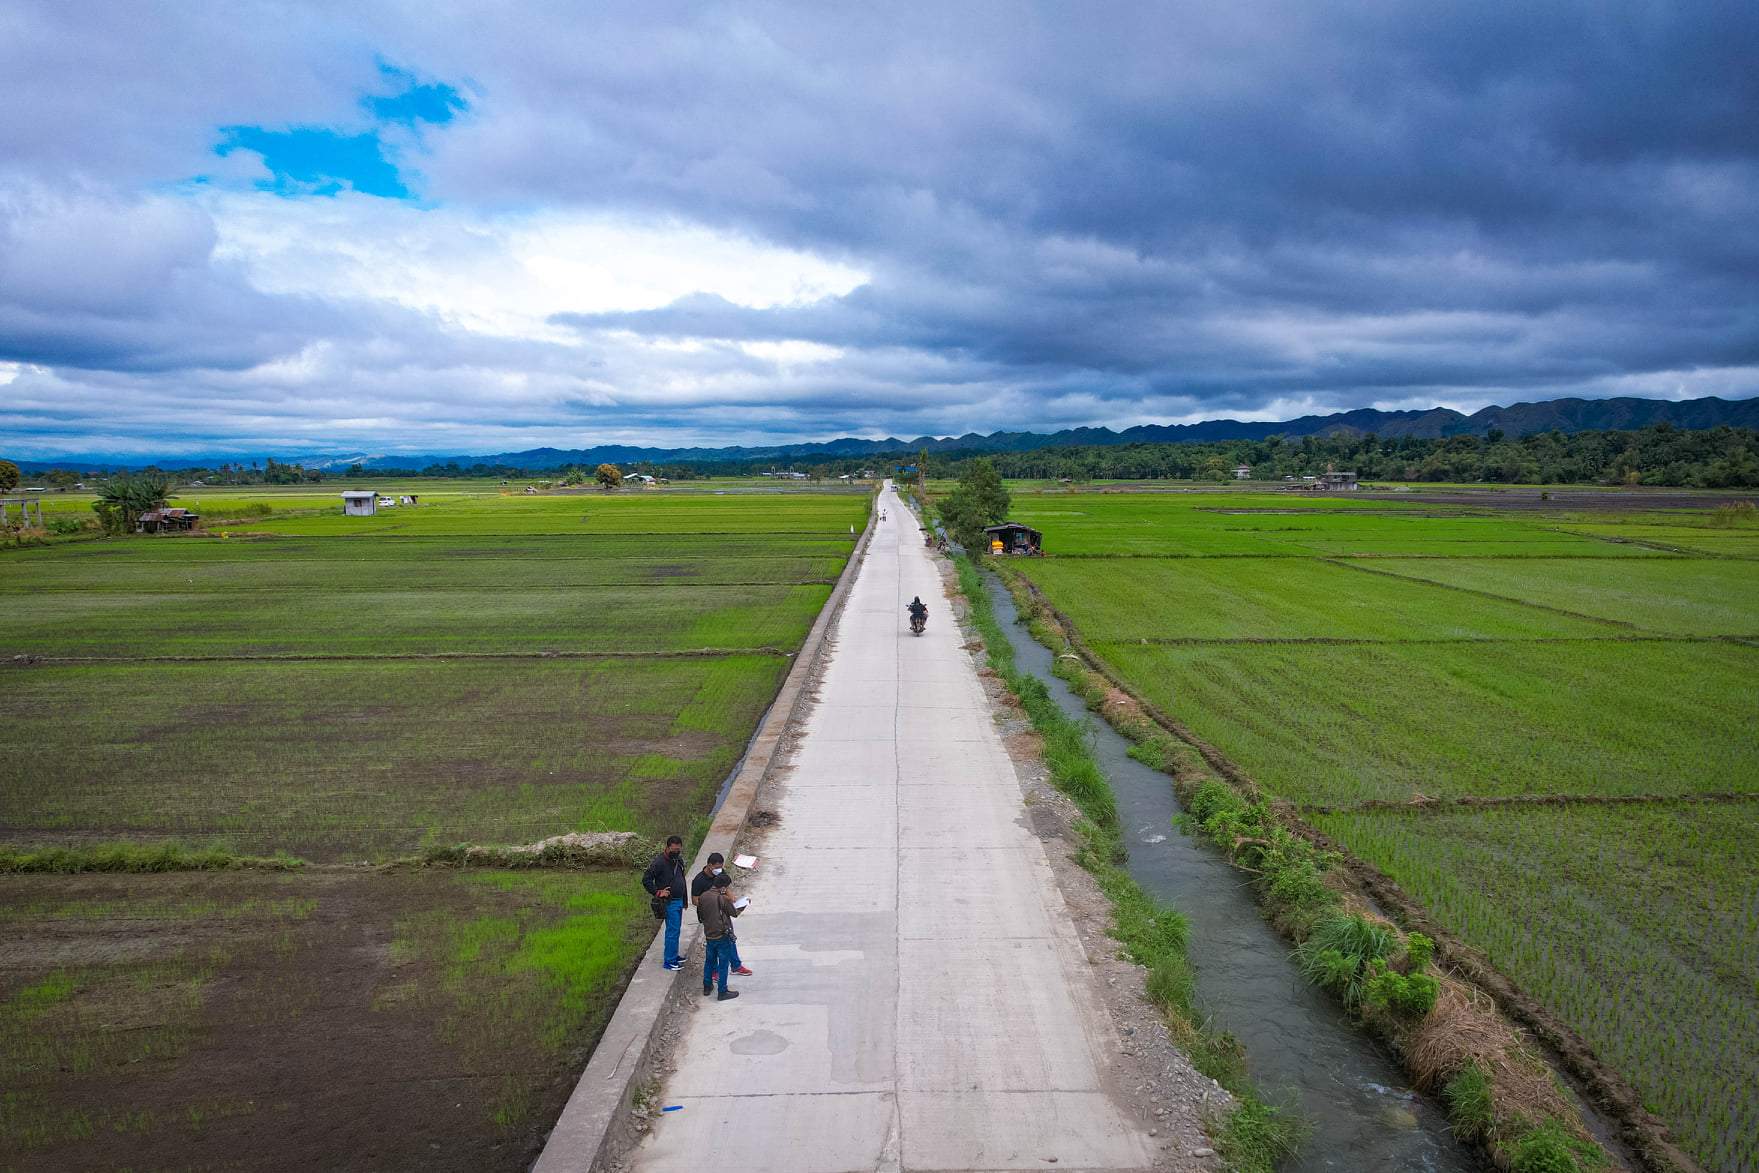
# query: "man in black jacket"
665 882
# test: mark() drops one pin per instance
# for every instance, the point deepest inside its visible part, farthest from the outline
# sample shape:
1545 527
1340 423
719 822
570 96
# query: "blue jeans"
674 925
733 961
715 962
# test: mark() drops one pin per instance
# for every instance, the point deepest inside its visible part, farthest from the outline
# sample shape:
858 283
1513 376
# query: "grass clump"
614 850
1469 1106
1256 1137
1340 953
1735 513
139 857
1549 1149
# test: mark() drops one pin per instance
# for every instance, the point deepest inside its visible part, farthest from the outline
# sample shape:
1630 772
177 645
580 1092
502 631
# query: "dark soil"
297 1058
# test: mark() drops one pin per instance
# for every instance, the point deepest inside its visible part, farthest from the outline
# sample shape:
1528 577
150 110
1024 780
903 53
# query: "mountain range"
1520 419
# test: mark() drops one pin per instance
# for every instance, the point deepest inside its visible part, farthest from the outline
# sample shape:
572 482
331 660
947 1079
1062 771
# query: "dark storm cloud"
1067 214
1331 199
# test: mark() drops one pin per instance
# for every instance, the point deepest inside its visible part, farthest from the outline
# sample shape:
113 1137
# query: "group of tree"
1722 457
978 500
123 498
608 476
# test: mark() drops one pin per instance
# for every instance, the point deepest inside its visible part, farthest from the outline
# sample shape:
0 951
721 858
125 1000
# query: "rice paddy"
1348 653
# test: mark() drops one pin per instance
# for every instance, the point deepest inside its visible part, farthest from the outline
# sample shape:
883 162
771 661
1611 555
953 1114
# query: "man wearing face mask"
664 881
709 877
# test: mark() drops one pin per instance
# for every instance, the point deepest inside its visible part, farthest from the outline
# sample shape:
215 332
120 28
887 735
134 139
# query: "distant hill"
1520 419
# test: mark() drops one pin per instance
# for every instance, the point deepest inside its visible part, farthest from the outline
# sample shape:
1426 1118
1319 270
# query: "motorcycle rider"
918 610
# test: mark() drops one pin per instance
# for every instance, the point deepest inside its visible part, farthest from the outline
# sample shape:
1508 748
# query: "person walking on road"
716 911
665 882
709 877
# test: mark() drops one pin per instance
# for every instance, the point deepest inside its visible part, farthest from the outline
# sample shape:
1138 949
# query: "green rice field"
1357 650
488 667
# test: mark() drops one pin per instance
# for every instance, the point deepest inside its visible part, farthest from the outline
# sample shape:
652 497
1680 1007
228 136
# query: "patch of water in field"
1300 1045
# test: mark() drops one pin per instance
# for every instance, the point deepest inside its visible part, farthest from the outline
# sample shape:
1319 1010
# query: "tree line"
1714 458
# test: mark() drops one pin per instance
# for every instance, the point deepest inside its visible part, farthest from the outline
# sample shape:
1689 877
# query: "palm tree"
124 497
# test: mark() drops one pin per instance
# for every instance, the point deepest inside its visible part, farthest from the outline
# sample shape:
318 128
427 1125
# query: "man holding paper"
714 872
716 909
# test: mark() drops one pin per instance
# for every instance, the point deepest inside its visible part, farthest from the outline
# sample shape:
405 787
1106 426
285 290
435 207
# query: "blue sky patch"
324 160
314 160
434 102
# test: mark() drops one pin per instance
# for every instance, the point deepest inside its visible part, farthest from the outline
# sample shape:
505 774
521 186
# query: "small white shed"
360 503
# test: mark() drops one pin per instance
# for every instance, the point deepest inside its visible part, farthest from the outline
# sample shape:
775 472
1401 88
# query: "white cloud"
505 274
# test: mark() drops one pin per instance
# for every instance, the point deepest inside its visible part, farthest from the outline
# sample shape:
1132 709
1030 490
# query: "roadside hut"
1011 537
360 502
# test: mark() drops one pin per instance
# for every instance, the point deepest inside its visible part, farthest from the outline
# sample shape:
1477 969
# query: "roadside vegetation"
1547 756
1255 1135
273 806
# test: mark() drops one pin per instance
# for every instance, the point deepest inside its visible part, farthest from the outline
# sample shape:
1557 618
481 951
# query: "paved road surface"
920 999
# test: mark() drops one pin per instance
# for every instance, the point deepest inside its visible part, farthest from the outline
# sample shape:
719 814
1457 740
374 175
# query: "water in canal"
1300 1046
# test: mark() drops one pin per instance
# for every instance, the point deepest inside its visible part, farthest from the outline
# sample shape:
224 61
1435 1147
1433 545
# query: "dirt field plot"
323 1021
384 564
355 760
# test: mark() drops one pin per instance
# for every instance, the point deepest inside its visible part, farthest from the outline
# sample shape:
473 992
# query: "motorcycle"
918 622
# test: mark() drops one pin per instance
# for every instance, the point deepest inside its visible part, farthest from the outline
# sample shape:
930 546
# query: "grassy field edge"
1503 1119
1255 1135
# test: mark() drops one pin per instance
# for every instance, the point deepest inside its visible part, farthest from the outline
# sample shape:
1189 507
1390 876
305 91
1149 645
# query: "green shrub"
1328 968
1338 952
1418 951
1403 995
1467 1096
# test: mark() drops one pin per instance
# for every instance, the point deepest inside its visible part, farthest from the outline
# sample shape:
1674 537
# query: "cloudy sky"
430 227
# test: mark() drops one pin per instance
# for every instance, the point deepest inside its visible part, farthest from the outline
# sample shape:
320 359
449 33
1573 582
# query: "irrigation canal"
1300 1046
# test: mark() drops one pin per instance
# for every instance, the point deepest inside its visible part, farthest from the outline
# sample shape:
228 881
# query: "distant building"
360 503
1328 482
166 521
638 478
1242 472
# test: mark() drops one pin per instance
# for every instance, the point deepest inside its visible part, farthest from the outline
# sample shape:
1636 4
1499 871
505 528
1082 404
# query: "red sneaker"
742 971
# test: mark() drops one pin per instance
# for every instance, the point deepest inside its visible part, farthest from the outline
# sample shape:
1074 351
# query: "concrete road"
920 999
